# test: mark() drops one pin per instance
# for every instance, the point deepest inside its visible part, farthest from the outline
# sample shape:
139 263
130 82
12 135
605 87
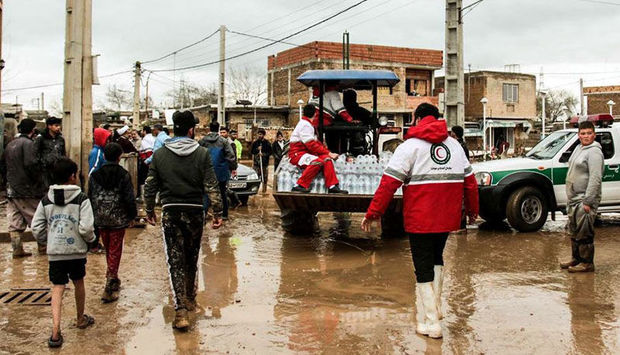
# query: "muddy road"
340 291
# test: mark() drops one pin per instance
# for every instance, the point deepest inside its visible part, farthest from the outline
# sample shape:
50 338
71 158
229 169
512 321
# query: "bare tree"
190 94
118 98
56 108
557 103
247 84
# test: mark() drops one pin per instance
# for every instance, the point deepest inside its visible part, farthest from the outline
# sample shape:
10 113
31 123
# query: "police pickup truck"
524 190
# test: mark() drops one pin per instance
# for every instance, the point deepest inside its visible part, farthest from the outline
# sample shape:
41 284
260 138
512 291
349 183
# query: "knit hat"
53 120
183 120
26 126
122 130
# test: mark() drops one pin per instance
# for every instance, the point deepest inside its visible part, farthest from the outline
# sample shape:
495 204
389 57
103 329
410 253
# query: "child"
64 222
114 204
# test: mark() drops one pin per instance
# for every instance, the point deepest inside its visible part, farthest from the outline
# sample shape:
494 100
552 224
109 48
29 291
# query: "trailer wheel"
392 224
298 222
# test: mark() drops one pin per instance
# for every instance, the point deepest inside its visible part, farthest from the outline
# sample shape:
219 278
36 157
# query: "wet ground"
341 291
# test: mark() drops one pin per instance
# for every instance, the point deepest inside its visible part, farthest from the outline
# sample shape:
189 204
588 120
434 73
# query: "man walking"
436 175
261 150
223 160
25 185
50 146
583 189
182 172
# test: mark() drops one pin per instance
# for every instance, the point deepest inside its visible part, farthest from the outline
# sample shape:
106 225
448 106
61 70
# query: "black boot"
336 190
301 189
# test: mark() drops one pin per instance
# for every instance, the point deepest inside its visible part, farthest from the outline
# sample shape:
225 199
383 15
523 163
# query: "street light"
543 94
484 102
611 104
300 102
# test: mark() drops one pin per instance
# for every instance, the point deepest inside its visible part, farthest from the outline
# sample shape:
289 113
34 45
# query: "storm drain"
26 296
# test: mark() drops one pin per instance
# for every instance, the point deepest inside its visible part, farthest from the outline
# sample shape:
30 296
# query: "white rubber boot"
420 315
437 286
430 308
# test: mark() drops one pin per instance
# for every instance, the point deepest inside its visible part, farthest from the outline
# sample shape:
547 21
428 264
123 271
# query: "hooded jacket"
111 194
64 221
95 158
585 175
182 173
304 146
23 172
222 155
436 176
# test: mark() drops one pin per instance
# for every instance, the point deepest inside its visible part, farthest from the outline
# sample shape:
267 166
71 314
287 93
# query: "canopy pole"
375 143
321 91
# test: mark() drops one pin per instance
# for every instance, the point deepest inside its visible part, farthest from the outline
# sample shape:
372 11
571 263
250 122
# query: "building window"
416 87
510 92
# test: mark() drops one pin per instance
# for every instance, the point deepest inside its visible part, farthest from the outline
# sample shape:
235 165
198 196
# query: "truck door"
611 174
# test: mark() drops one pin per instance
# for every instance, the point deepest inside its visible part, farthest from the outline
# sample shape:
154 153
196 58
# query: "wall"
598 96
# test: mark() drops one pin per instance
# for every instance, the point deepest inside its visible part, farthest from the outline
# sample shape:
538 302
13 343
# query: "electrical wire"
182 49
266 45
58 84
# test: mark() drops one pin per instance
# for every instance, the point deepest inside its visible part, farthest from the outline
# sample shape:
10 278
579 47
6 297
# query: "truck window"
548 147
606 141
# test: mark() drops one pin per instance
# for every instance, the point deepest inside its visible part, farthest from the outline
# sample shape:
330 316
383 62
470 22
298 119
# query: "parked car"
525 190
245 184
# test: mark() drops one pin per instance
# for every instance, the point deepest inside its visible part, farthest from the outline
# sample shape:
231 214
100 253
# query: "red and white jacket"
435 173
332 107
304 146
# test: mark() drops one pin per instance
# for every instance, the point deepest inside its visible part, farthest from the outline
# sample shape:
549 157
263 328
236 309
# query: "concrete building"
599 96
510 111
415 67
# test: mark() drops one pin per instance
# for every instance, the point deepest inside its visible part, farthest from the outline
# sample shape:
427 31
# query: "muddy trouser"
427 251
182 227
257 169
581 229
223 186
113 243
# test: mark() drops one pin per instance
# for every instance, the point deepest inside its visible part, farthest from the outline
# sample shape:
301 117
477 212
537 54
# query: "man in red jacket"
308 153
436 174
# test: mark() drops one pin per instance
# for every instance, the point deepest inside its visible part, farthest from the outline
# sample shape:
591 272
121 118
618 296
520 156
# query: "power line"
58 84
602 2
266 45
182 49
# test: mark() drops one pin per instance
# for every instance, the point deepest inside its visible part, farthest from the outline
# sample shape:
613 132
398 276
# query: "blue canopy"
358 79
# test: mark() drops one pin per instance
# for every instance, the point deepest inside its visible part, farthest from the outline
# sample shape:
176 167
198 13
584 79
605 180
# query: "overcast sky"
567 39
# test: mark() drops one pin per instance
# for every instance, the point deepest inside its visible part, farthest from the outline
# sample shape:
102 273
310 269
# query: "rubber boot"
16 243
437 286
109 292
181 322
430 308
420 315
42 249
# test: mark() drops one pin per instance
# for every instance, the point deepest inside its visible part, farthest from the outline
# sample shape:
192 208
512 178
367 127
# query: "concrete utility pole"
1 67
454 79
78 96
43 101
136 95
221 100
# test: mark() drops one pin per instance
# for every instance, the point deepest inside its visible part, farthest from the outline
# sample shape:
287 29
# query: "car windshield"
549 147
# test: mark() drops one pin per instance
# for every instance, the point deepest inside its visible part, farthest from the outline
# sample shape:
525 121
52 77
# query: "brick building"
598 96
511 107
415 68
243 118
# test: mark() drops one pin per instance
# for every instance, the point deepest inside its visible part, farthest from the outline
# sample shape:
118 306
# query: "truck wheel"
392 225
527 209
243 199
298 222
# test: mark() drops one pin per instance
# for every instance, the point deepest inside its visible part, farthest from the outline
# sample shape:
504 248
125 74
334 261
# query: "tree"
190 94
118 98
247 84
557 103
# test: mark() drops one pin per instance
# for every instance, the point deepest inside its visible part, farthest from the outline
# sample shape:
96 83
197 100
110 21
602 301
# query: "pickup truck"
524 190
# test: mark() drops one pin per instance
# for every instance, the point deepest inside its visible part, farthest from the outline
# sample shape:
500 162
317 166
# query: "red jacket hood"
429 129
100 136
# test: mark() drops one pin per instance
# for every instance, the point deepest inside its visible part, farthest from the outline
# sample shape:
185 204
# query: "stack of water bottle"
359 176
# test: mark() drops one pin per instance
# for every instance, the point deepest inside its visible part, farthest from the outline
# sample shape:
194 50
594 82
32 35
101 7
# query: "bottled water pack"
361 176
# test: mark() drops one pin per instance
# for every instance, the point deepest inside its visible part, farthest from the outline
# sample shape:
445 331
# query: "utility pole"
136 95
454 80
77 96
43 101
1 67
346 55
582 107
221 100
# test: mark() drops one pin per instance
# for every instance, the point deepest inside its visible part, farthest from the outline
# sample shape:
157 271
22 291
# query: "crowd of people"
188 177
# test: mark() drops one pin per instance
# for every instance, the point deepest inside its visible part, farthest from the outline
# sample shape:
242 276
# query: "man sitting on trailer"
309 154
